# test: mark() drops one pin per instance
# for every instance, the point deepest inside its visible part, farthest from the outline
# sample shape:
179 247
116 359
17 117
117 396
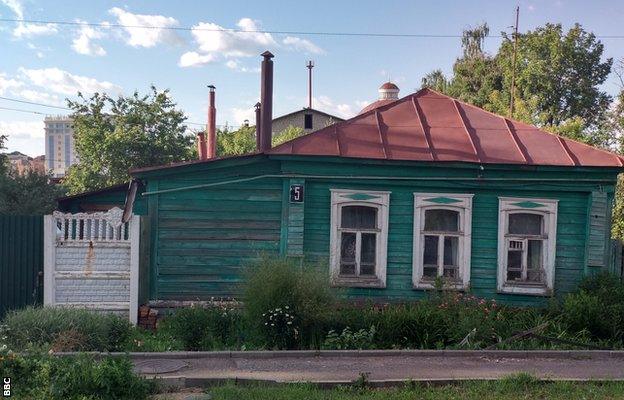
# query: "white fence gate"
91 260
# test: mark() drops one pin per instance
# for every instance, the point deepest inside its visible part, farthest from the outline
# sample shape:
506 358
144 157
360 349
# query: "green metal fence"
21 261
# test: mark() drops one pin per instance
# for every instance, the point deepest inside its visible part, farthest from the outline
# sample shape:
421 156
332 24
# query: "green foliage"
29 194
558 80
243 140
64 329
280 328
240 141
115 135
362 339
275 282
290 133
516 387
597 307
198 328
45 377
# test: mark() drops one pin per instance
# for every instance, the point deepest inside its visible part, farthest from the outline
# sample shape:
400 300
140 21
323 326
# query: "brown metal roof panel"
490 135
405 136
542 148
324 142
361 138
590 156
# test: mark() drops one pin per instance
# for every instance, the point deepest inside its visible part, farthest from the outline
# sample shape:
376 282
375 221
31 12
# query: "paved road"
344 368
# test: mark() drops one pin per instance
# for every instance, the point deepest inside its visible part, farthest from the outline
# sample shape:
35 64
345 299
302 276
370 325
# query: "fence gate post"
49 257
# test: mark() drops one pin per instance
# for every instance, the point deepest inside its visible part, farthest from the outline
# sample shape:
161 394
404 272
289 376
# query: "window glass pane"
347 253
430 272
534 261
368 248
431 250
442 220
451 245
359 217
514 259
525 224
450 273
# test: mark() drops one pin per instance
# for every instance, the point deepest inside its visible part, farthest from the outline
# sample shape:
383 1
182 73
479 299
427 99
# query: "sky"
47 63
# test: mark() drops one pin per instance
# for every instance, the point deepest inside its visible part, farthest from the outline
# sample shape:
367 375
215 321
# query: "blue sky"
47 63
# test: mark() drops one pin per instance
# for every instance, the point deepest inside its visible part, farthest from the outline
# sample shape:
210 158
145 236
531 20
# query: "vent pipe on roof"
258 125
266 100
201 145
211 139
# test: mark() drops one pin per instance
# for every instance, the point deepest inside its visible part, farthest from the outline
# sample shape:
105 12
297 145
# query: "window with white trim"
442 232
359 237
527 231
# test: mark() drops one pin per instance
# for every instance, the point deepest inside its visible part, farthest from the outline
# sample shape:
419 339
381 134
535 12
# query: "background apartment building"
59 150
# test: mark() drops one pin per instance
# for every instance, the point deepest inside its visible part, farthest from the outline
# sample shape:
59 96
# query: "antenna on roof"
310 65
513 71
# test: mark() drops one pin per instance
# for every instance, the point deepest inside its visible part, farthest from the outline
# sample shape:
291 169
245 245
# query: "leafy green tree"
29 194
243 140
435 80
236 142
113 136
290 133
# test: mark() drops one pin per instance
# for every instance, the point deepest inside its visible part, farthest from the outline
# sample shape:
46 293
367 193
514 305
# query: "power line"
276 32
34 103
20 110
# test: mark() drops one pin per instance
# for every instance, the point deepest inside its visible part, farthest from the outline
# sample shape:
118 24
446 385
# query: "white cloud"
236 66
242 114
194 59
7 83
325 103
40 97
24 136
212 38
63 82
302 45
24 29
83 42
146 37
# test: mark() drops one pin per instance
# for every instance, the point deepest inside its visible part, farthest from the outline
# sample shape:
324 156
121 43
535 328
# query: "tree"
29 194
243 140
113 136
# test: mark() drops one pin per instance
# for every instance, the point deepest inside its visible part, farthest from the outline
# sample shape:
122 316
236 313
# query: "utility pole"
310 65
513 71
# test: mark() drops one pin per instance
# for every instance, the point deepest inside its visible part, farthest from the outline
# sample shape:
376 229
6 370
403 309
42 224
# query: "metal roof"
430 126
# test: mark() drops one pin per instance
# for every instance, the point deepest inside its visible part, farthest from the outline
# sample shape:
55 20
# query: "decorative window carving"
442 232
359 237
527 231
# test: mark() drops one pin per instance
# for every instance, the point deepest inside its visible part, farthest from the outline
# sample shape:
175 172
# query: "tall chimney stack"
258 125
211 137
266 101
310 65
201 145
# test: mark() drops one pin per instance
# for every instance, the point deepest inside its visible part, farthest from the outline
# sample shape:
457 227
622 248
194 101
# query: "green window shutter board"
597 230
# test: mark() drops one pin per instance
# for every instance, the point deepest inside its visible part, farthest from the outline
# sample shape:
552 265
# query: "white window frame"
379 200
548 211
428 201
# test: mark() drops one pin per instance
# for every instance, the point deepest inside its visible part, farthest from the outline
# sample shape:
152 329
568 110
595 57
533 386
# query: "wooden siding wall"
204 238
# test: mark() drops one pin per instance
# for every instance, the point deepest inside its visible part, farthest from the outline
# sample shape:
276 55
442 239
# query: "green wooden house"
412 192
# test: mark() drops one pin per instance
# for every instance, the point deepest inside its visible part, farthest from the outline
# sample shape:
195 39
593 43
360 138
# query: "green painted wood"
296 217
597 245
442 200
21 261
204 238
528 204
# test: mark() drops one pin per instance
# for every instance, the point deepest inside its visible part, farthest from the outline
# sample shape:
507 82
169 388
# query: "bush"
198 328
349 340
277 282
41 376
65 329
597 308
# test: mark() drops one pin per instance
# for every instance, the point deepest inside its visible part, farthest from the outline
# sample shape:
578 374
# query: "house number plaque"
296 193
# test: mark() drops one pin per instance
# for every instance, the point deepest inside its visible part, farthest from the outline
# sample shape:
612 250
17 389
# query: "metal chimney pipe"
201 145
310 65
258 125
266 99
211 139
